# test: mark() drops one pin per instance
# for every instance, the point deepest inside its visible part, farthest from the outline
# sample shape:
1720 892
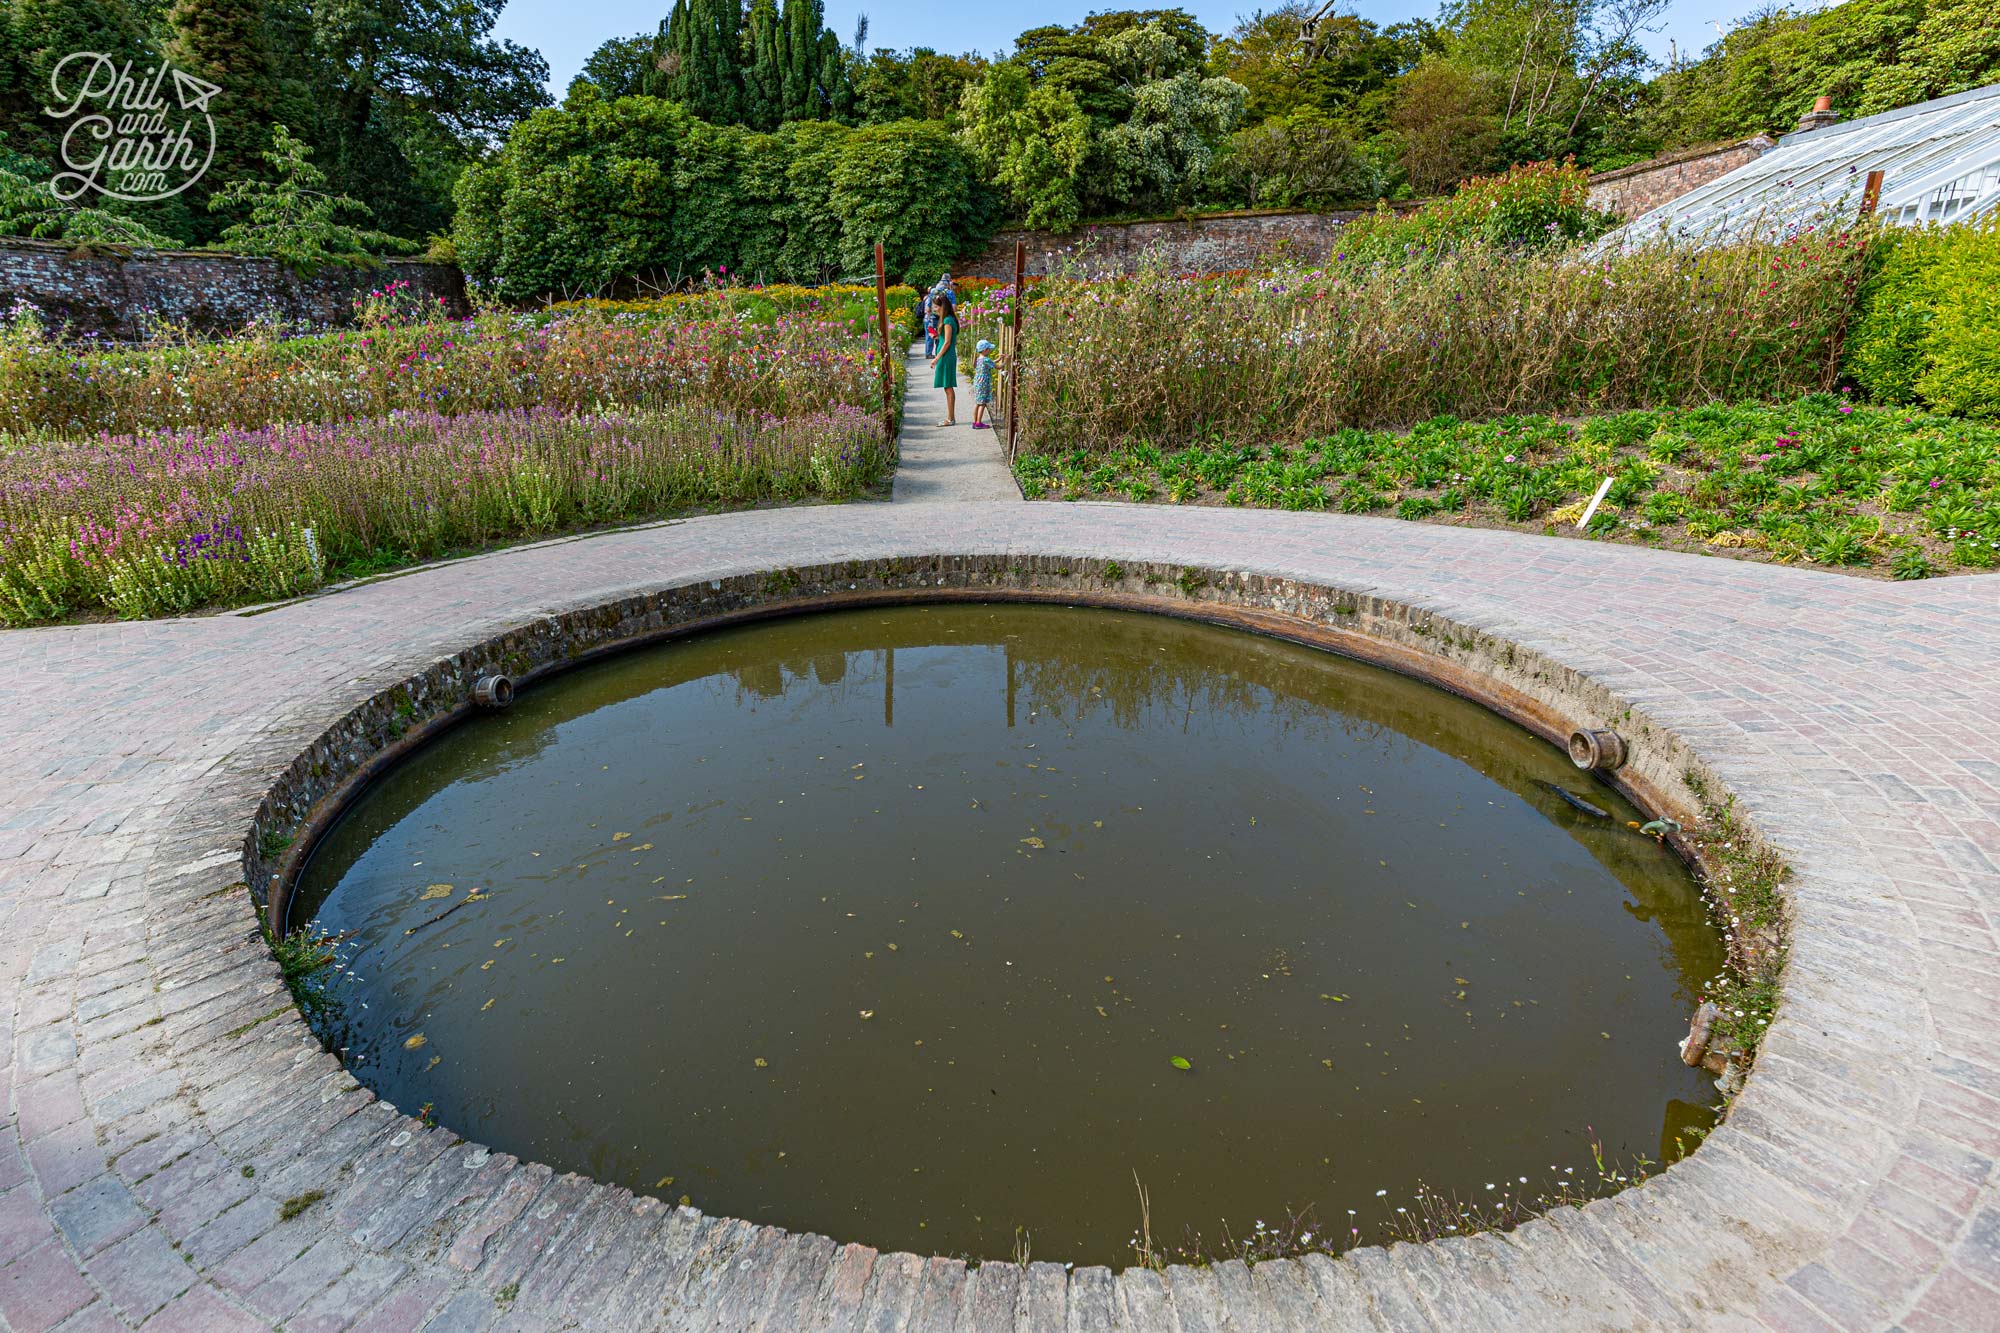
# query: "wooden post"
1871 196
882 327
1014 353
1871 193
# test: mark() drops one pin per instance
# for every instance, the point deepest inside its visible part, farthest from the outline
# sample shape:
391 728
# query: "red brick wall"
120 298
1644 186
1201 245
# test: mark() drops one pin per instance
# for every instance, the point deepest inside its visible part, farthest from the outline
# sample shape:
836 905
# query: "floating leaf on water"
663 1182
762 1063
436 1060
868 1013
434 891
1033 842
620 837
412 1042
1181 1062
958 934
671 897
488 963
892 948
1100 1011
484 1007
1337 999
867 953
1461 981
643 847
1327 1063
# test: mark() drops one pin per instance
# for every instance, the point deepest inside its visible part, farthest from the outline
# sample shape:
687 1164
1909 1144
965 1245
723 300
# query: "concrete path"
177 1153
947 463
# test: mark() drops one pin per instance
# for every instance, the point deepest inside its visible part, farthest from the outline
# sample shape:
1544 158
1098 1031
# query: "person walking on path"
946 360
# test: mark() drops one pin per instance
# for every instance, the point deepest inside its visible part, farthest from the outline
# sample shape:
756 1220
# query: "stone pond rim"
1553 703
1852 1186
486 677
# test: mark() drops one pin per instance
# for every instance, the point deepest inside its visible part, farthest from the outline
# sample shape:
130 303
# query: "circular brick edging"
177 1152
488 1195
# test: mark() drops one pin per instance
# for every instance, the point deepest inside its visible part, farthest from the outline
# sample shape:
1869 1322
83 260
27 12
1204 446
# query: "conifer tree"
763 79
227 42
803 21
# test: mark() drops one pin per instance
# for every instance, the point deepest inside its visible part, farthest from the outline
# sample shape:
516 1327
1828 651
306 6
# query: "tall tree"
705 42
799 59
763 77
228 43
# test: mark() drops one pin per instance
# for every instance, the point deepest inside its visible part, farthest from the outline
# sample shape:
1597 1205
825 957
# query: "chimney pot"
1819 117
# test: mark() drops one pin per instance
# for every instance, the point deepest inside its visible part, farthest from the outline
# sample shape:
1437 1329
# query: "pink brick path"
159 1099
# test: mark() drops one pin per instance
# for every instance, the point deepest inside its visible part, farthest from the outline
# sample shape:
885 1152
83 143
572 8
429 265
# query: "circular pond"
918 926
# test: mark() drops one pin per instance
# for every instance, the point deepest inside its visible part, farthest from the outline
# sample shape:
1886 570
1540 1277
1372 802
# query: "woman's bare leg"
951 406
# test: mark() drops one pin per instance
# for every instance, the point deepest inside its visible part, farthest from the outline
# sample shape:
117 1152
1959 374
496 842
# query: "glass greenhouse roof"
1941 163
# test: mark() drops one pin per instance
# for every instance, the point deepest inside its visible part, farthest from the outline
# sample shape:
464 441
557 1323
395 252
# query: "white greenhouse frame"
1940 161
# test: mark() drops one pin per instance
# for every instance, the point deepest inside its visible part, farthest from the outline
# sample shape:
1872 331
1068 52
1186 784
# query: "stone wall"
120 297
1644 186
1213 244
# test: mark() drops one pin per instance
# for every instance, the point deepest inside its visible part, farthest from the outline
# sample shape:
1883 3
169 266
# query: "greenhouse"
1940 162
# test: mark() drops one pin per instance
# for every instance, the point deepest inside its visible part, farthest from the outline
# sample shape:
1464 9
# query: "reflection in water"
888 924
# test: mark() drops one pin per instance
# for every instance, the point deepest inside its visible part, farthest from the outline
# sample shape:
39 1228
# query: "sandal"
947 423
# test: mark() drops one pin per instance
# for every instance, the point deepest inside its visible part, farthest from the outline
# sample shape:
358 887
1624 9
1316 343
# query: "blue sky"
567 31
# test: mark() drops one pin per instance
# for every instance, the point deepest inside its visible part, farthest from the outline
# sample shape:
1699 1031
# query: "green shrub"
594 191
1530 207
1927 328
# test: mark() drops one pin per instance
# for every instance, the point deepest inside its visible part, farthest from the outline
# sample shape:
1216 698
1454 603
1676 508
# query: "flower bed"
1818 480
1476 332
165 523
700 350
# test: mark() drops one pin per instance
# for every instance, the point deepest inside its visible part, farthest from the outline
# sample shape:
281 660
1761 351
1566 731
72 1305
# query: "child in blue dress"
982 385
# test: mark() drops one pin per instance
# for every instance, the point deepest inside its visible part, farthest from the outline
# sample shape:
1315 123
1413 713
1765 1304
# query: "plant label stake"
882 328
1603 490
1014 344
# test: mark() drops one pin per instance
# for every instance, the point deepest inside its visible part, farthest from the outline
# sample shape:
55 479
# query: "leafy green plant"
1528 207
291 219
1928 320
1819 479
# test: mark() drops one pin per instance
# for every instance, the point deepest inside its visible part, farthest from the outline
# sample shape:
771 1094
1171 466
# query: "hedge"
1928 324
593 191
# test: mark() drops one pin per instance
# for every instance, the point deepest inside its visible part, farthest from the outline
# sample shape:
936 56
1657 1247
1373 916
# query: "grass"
1817 480
1744 888
298 1203
306 959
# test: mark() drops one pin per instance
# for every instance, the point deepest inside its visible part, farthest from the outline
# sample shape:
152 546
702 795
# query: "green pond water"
892 924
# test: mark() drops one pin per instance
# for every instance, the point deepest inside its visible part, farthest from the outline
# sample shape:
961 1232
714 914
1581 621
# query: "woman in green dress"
946 360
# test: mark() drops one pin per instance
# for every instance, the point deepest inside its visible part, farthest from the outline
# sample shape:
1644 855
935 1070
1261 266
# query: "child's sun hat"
985 345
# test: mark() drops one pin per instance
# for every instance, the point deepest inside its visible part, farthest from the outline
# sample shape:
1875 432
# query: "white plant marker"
1603 490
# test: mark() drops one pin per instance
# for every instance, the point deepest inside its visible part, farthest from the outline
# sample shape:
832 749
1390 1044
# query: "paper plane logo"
123 139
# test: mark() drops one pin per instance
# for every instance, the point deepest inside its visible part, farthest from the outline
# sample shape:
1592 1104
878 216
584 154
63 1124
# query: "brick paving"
947 462
162 1102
